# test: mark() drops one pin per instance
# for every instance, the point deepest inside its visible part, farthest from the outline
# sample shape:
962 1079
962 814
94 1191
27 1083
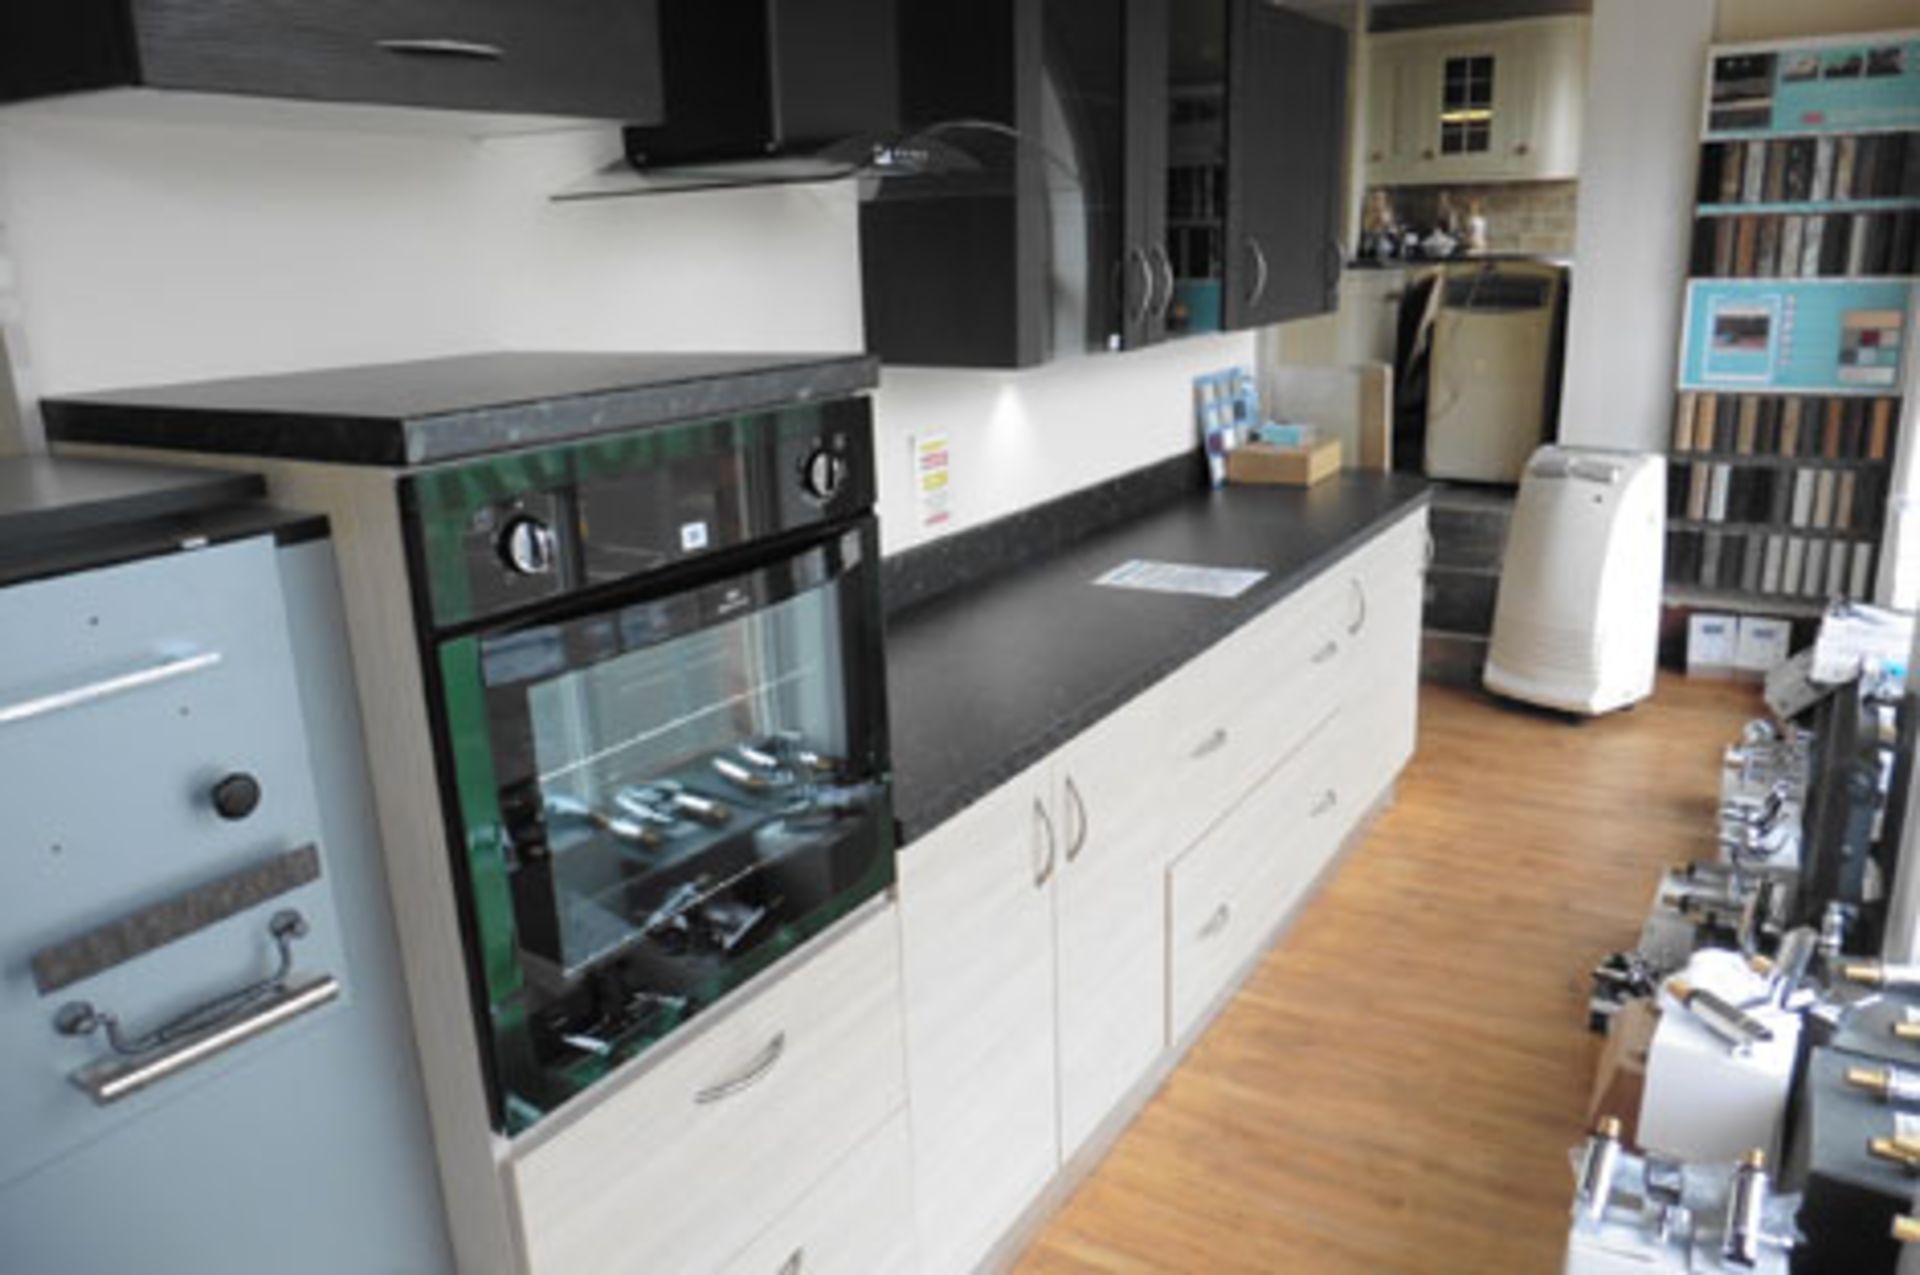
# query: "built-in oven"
659 705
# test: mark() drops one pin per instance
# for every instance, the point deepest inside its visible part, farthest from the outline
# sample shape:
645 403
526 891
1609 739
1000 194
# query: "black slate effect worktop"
435 410
986 680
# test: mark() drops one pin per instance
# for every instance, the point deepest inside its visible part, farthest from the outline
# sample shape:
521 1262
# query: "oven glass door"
658 799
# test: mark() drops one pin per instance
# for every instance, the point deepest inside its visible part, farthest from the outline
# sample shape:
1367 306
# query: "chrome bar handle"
756 1072
1043 867
105 688
1326 652
1158 252
1325 803
1262 273
1138 314
1210 745
1081 824
114 1078
1218 921
445 48
1360 596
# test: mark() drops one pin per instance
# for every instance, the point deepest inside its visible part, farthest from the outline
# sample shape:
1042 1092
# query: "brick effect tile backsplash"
1521 216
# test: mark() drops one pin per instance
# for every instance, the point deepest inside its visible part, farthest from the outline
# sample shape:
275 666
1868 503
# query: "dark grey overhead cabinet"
588 59
1254 186
1151 168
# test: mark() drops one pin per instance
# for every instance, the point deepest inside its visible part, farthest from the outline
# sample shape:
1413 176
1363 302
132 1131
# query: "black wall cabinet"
1178 171
592 59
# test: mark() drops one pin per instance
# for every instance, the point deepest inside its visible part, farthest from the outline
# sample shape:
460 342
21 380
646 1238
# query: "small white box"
1762 643
1703 1101
1712 641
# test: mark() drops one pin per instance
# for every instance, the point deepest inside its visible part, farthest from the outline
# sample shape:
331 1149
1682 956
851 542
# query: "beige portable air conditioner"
1492 368
1576 625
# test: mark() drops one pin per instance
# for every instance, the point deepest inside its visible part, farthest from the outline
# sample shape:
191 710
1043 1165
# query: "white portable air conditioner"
1577 623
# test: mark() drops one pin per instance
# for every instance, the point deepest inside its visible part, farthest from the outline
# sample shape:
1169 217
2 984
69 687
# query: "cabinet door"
587 58
1117 842
1286 129
1384 157
976 911
1147 159
1555 54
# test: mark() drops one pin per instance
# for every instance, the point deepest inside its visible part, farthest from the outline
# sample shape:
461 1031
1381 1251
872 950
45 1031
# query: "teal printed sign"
1823 88
1797 336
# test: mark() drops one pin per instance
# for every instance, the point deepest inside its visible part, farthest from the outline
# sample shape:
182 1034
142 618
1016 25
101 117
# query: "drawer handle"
106 688
755 1073
1326 802
1360 599
444 48
209 1028
1211 744
1077 842
1043 862
1326 653
1218 921
795 1263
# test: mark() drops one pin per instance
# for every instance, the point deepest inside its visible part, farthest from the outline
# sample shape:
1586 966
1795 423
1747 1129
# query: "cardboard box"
1761 644
1284 466
1712 640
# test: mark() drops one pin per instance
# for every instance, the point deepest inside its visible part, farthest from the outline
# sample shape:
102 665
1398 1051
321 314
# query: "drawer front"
857 1221
680 1168
596 59
1226 894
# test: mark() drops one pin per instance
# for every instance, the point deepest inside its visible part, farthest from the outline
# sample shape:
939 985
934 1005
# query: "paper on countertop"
1856 638
1177 577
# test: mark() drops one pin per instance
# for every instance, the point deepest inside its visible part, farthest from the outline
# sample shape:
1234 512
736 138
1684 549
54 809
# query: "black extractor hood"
762 92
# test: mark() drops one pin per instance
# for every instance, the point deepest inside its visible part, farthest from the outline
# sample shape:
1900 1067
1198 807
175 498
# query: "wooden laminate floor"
1396 1087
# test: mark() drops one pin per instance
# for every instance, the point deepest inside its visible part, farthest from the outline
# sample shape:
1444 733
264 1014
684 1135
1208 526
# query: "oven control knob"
823 473
528 547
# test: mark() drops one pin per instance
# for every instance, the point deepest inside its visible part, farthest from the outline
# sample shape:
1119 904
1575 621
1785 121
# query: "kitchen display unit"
1795 358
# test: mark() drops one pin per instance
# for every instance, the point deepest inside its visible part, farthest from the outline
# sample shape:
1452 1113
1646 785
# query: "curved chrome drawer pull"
444 48
1218 921
153 675
1327 801
753 1075
1043 867
1211 744
1360 596
1080 824
795 1263
1326 653
80 1018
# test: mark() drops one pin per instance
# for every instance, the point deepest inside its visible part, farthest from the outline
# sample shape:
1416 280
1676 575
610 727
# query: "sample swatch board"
1824 86
1825 336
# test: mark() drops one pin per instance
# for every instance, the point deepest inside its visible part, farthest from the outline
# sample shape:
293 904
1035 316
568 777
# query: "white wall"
147 252
1639 150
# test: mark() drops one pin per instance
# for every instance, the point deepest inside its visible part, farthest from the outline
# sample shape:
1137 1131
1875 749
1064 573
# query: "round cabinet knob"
822 474
236 796
528 547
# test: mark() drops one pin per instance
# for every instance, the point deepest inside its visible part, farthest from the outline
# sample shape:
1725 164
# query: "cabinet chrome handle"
1324 803
1078 841
1158 253
1043 867
105 688
1218 921
1136 256
1359 596
1326 653
1211 744
756 1072
1261 271
114 1078
795 1263
444 48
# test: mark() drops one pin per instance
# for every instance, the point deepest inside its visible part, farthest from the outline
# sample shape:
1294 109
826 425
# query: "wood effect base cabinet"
1061 934
702 1157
